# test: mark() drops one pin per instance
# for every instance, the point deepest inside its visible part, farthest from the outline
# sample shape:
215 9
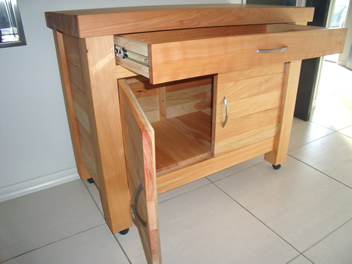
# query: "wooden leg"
99 74
279 154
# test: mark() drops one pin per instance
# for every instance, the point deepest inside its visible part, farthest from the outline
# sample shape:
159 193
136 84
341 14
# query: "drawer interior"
181 115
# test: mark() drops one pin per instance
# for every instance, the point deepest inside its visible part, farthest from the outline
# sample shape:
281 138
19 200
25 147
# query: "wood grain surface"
139 145
111 21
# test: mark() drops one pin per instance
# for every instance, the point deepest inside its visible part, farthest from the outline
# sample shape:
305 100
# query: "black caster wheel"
90 180
277 167
124 232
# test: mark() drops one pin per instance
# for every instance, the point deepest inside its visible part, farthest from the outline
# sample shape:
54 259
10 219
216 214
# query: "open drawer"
165 56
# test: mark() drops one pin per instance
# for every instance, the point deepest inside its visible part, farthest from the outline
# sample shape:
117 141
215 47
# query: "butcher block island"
160 96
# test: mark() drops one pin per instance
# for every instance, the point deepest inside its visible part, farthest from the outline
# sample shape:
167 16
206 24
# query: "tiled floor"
249 213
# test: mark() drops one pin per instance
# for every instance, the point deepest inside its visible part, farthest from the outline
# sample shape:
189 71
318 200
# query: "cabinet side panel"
80 105
69 103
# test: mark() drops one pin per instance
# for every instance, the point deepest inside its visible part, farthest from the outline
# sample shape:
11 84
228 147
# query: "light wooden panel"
133 66
76 75
243 124
150 106
172 99
80 106
79 97
137 46
237 90
67 92
82 116
122 72
182 59
196 126
102 22
171 180
186 34
254 107
229 77
189 83
279 154
249 137
88 152
141 87
181 102
182 140
249 105
72 51
139 146
99 74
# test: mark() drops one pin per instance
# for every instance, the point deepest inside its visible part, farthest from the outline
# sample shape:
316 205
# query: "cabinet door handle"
227 112
272 50
135 204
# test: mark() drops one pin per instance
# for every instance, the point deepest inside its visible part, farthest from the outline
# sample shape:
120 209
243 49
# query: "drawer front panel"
174 56
185 59
253 107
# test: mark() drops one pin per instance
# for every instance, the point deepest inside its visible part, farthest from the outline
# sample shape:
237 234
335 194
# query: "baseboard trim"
37 184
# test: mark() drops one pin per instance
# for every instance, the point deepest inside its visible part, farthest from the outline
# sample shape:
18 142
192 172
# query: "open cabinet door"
139 144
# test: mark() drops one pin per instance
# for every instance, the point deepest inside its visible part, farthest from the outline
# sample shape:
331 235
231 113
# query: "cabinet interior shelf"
182 140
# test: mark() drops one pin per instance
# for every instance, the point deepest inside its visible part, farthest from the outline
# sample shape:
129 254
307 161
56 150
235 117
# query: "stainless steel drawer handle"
227 112
272 50
135 204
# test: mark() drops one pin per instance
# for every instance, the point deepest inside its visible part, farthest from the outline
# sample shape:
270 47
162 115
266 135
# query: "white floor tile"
299 203
305 132
207 226
237 168
183 189
331 155
343 99
94 246
44 217
334 117
336 248
335 79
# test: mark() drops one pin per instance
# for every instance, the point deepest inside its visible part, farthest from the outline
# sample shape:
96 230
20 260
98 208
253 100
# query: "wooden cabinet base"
197 89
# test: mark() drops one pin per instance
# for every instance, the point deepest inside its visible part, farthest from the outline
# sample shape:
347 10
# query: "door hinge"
278 128
286 67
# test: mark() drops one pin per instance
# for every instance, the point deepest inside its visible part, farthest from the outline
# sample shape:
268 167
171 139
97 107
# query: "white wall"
35 145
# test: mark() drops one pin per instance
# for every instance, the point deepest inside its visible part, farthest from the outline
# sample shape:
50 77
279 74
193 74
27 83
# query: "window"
11 30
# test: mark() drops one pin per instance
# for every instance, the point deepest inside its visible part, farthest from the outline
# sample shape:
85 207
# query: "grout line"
298 257
307 143
343 133
54 242
237 171
327 235
319 171
123 250
186 192
256 218
91 195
